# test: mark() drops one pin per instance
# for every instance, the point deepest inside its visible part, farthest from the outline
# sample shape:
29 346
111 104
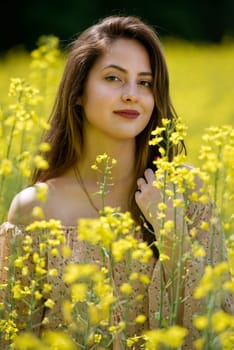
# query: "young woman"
114 92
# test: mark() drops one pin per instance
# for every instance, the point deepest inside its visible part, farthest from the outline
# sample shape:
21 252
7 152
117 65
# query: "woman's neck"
123 152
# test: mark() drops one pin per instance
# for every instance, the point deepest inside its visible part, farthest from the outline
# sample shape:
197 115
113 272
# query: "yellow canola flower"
156 140
24 167
36 258
204 226
37 295
144 279
166 122
49 303
193 232
162 206
57 341
140 319
97 338
66 251
73 272
67 309
6 167
194 197
199 343
200 322
101 287
37 212
40 271
53 272
78 292
172 337
101 157
25 271
168 226
178 202
54 252
44 147
96 231
45 321
94 167
17 290
40 162
98 313
94 338
134 340
227 339
123 245
28 341
212 280
163 257
198 250
47 288
107 300
41 192
19 87
105 229
221 320
158 131
126 288
176 137
112 329
134 276
53 225
28 240
204 199
19 262
229 286
142 255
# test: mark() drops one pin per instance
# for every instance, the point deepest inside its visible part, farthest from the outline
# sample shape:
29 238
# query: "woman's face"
118 98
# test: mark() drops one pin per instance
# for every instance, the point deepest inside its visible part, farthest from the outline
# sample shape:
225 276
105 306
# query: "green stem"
173 287
180 270
127 302
3 177
104 184
207 335
173 260
213 230
161 241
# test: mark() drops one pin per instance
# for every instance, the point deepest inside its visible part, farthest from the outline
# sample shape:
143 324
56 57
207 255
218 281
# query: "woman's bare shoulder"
22 205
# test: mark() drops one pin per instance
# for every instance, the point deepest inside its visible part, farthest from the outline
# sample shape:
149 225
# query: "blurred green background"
22 22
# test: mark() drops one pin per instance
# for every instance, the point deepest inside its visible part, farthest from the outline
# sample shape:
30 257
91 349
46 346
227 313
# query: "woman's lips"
127 113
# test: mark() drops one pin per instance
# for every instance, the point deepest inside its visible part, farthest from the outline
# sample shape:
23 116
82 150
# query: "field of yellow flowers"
202 91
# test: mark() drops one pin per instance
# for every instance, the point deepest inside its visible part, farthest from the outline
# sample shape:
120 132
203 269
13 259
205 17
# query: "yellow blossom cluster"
171 338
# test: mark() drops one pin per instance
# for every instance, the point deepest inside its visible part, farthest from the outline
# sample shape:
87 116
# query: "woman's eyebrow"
121 69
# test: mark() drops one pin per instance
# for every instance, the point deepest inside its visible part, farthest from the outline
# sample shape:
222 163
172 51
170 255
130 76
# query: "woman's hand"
148 196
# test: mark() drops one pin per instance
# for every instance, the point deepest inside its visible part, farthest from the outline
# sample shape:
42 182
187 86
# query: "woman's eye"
112 78
146 83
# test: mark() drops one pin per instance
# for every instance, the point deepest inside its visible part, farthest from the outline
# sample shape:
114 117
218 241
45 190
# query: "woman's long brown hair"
66 133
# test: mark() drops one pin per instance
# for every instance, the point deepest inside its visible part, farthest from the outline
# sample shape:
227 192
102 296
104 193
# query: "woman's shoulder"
22 205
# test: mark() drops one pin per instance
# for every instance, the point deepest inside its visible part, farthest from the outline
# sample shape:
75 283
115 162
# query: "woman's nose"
129 94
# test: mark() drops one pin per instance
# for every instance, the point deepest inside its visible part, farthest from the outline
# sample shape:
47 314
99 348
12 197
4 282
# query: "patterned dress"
149 304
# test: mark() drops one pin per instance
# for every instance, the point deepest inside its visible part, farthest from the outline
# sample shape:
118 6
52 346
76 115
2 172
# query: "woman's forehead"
125 51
